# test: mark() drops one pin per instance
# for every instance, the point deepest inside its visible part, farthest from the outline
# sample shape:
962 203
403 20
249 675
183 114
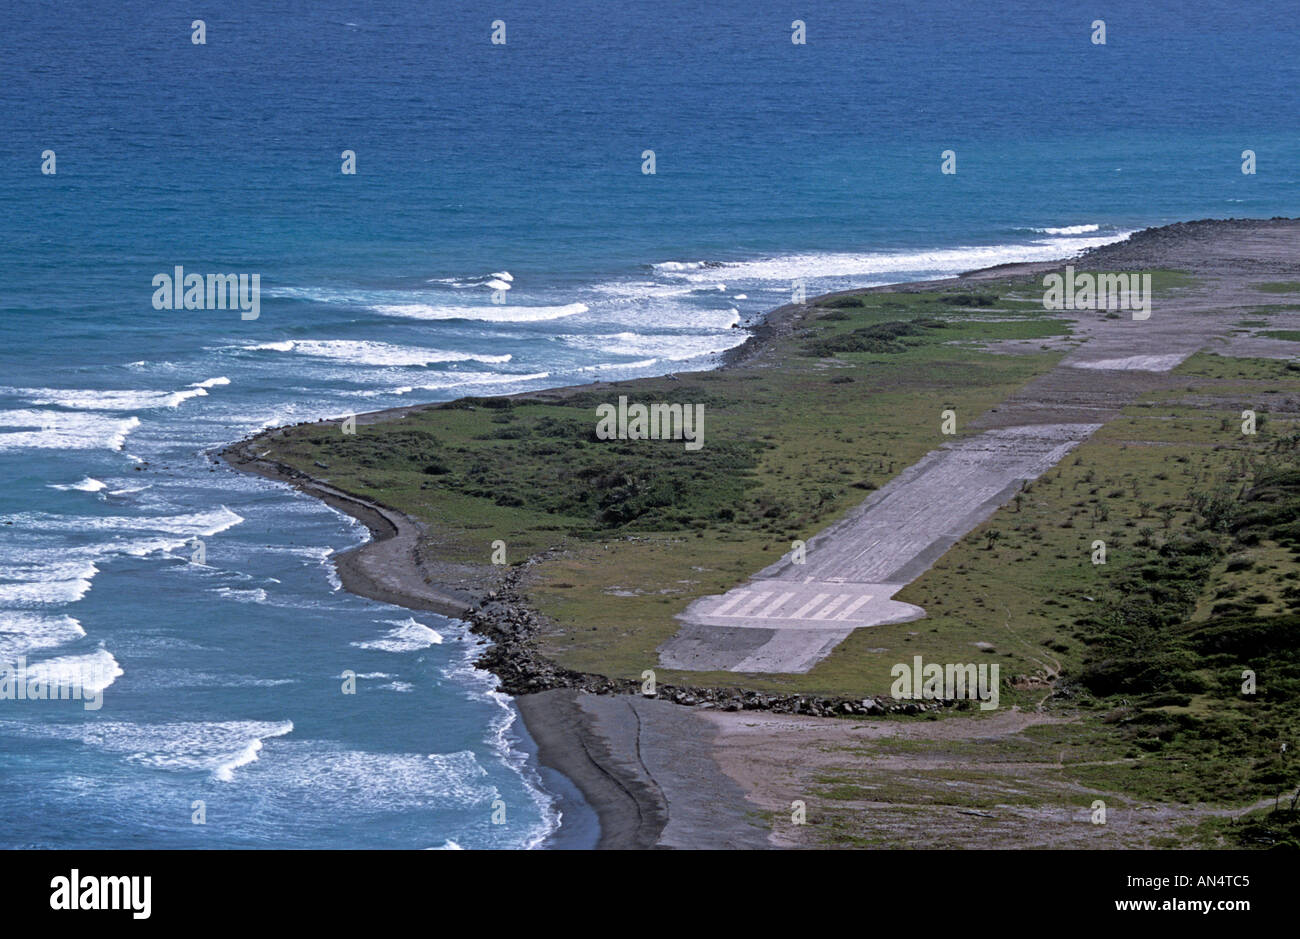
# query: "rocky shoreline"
506 619
502 615
397 567
632 810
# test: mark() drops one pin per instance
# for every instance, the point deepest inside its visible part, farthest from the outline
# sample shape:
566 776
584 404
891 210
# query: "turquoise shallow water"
482 170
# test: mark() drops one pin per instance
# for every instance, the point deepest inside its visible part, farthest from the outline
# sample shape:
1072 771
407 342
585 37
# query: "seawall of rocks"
510 623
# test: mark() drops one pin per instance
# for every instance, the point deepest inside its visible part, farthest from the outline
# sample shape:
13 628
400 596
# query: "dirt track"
916 784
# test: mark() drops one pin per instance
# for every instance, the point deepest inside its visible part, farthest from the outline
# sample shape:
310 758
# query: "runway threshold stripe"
815 601
728 604
770 612
753 605
849 610
829 608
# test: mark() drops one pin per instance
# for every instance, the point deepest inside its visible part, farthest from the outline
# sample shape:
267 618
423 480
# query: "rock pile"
506 619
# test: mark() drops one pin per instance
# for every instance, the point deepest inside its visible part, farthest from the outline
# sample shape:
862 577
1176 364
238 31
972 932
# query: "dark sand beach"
658 774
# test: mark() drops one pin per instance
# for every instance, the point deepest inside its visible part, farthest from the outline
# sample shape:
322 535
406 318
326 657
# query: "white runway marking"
829 608
780 601
753 604
853 568
803 610
736 597
852 607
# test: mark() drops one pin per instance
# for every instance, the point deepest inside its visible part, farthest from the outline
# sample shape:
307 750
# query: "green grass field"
854 396
649 526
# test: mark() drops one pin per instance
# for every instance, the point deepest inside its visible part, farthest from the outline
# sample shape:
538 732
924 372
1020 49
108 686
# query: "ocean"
499 234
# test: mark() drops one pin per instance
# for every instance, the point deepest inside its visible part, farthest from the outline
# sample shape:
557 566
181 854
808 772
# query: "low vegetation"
1145 653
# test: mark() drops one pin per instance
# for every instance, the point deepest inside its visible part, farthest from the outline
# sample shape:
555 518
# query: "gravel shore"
661 775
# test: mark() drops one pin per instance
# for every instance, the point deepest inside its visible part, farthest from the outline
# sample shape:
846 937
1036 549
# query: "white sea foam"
485 684
367 352
40 565
143 547
87 484
225 770
43 593
350 297
254 595
666 304
407 636
113 399
625 291
457 379
194 524
674 346
22 633
328 780
91 672
35 575
453 379
1068 230
678 266
427 305
670 303
485 313
605 366
218 747
332 575
54 584
39 559
323 556
937 261
63 430
360 781
169 678
485 280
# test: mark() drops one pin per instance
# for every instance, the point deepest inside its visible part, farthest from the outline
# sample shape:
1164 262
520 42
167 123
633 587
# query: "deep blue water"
479 167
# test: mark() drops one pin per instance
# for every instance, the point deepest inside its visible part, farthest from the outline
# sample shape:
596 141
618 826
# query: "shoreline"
393 540
587 738
629 807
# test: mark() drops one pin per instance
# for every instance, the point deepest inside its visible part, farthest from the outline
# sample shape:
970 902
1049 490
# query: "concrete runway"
790 615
